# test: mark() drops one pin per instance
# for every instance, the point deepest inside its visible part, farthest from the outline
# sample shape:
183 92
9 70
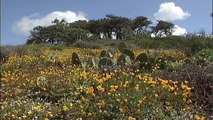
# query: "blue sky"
19 16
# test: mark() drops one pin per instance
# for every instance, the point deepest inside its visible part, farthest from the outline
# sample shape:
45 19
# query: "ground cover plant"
81 83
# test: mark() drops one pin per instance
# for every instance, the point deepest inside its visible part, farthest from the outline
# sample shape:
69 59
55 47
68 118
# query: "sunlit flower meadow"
47 86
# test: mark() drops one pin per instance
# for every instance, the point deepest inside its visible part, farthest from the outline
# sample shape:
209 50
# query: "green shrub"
6 51
204 55
200 78
86 44
57 47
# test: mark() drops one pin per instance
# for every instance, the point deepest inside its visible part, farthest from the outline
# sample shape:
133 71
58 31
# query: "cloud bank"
27 23
168 11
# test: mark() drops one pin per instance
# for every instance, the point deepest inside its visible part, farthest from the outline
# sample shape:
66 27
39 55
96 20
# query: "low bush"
86 44
200 78
57 47
204 55
6 51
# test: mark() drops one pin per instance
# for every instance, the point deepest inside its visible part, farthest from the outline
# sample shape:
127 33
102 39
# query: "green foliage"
93 38
124 60
142 58
105 62
59 32
163 28
127 57
40 90
79 24
93 62
200 79
142 61
119 24
53 57
204 55
129 53
193 44
86 44
138 29
6 51
57 48
122 46
107 54
140 24
160 62
75 59
129 34
75 34
121 60
103 53
150 63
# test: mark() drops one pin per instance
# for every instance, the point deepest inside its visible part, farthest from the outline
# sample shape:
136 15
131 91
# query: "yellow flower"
126 84
131 118
49 114
108 76
185 87
175 82
30 112
197 117
24 116
101 81
90 91
100 88
171 88
189 101
102 103
71 104
164 82
137 87
84 74
37 108
188 88
65 108
114 88
187 108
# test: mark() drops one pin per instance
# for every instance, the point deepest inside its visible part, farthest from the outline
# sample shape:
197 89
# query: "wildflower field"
76 83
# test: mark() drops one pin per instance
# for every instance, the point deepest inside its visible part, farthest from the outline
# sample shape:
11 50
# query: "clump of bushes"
200 78
86 44
57 48
6 51
204 55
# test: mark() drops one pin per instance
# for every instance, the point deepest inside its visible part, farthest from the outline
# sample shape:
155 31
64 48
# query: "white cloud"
180 31
168 11
27 23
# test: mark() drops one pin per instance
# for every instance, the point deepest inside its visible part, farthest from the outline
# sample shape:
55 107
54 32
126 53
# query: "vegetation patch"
74 83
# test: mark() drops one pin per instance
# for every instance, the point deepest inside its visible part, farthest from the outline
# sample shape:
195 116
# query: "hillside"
154 78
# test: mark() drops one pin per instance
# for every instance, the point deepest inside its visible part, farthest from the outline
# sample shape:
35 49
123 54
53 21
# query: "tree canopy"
163 28
104 28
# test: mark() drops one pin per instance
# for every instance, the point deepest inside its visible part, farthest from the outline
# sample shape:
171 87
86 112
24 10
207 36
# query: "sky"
18 17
